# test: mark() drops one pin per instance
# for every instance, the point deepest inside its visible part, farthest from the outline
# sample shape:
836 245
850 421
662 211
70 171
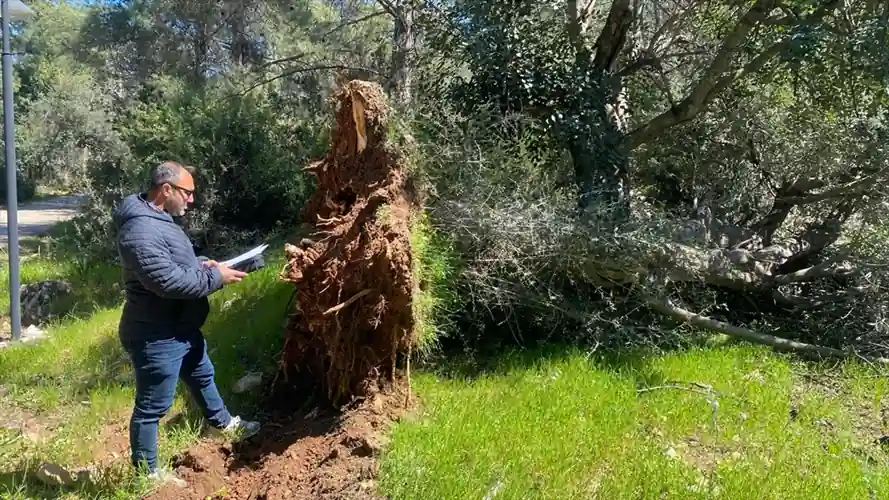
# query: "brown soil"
315 454
353 314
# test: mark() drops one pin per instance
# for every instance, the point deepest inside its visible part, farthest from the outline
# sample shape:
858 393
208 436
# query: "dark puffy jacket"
166 285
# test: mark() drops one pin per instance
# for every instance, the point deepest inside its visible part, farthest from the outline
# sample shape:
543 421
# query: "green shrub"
249 156
26 188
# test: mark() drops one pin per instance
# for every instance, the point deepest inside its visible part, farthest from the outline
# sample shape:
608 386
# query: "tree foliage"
725 156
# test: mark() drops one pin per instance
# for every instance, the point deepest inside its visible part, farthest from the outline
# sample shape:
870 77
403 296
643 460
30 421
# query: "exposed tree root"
354 314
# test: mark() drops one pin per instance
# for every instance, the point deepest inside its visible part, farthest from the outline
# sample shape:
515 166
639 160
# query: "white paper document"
244 256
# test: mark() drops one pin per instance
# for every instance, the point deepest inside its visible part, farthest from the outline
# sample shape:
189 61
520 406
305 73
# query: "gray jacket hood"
137 205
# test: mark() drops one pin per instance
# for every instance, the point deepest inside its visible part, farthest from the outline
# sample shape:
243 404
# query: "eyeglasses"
188 192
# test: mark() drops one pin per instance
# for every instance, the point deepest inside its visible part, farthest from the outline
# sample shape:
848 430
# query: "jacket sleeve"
146 253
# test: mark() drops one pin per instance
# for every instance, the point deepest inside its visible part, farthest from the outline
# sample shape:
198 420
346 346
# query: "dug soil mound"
353 277
351 322
315 454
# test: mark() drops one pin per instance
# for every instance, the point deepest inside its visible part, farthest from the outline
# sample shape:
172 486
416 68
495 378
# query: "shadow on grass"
631 365
23 484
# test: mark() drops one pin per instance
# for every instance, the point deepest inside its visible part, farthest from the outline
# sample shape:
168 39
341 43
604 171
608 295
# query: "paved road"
36 217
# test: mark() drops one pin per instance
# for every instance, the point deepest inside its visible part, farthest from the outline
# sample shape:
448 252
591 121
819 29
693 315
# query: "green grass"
71 387
558 425
544 424
94 287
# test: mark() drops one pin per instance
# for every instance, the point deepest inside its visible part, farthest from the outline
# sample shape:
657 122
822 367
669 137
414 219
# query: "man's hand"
230 275
209 263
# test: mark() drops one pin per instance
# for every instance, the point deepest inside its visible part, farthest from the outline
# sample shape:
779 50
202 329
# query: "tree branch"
574 28
851 188
669 25
585 15
818 237
614 35
644 62
717 77
390 7
697 98
284 60
811 273
305 70
352 22
666 307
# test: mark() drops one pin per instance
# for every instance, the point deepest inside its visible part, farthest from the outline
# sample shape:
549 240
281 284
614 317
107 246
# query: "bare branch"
284 60
352 22
669 25
306 70
705 392
656 61
666 307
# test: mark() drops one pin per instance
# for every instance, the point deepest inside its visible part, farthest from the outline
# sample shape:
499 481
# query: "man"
166 306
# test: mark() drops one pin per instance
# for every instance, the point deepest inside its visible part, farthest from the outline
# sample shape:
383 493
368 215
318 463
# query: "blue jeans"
158 364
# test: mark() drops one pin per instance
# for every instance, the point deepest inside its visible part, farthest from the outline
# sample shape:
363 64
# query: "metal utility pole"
15 309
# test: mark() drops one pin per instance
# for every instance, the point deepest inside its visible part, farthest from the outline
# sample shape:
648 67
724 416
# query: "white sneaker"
163 476
237 430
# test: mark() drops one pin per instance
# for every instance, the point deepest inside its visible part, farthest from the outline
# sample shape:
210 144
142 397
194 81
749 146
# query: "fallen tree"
802 289
353 305
734 186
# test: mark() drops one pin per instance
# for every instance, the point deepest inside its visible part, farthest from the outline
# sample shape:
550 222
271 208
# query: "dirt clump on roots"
353 314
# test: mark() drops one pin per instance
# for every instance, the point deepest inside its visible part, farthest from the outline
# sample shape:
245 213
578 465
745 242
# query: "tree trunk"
598 134
601 166
240 47
201 49
403 55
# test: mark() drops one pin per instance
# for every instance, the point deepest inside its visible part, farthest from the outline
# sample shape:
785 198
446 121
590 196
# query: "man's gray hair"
165 172
168 171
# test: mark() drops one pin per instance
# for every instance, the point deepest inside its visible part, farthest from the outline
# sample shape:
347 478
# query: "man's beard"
177 212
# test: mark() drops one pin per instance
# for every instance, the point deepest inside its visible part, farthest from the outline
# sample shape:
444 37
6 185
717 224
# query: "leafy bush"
249 157
26 187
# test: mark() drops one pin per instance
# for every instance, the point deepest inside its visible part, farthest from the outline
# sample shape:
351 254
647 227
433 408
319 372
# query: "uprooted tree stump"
353 305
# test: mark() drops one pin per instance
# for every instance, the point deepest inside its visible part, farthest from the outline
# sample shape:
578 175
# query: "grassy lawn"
558 425
728 422
67 399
